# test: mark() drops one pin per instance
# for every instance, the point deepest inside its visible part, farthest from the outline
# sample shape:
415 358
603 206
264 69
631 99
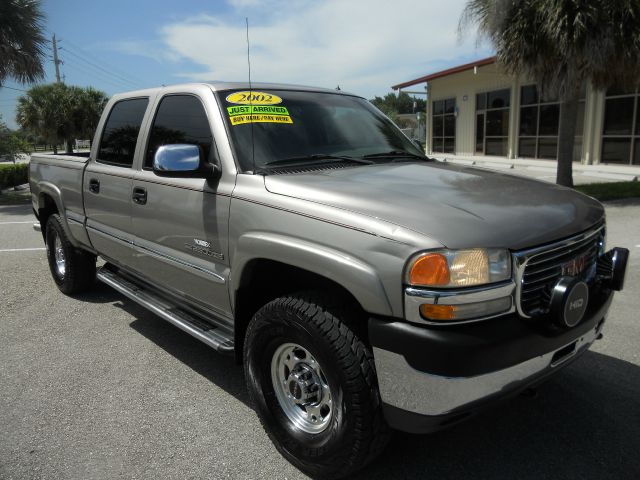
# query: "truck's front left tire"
73 270
312 381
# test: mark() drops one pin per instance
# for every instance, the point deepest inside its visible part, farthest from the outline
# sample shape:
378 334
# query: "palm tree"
560 44
57 112
22 42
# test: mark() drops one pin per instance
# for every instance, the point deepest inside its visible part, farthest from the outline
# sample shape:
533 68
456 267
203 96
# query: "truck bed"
60 177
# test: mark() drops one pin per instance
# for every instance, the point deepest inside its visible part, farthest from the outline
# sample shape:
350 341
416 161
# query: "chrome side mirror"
182 160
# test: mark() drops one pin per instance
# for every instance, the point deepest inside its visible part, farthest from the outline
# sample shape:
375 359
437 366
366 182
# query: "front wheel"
312 381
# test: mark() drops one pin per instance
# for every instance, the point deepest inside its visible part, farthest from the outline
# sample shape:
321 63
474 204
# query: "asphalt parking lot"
97 387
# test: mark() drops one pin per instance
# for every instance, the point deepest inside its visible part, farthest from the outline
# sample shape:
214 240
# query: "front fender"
356 276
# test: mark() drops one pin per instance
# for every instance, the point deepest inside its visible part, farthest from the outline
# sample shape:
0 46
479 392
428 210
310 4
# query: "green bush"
14 174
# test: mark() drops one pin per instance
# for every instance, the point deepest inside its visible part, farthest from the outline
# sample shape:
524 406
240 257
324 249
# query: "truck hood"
461 207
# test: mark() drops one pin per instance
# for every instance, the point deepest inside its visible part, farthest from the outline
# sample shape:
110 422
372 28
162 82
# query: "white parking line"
21 249
12 223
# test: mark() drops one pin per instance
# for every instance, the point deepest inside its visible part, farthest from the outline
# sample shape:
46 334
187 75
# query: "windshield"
306 126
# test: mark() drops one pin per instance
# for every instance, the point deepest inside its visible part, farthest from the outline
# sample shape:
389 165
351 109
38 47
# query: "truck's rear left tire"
73 270
312 382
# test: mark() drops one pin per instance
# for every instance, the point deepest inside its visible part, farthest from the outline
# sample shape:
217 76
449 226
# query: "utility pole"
56 60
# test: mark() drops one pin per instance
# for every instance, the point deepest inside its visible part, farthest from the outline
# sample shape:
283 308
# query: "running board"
219 338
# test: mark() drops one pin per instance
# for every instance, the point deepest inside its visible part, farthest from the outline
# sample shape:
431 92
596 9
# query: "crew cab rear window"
120 133
179 119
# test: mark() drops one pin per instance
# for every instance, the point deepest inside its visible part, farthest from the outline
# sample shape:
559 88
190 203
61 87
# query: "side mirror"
183 161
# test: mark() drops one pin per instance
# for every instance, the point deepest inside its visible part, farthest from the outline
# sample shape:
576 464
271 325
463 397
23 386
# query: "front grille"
540 269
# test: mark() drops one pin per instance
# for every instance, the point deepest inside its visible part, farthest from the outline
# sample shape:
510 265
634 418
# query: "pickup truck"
364 286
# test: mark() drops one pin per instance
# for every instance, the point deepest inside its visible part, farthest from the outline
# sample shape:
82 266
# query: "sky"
364 46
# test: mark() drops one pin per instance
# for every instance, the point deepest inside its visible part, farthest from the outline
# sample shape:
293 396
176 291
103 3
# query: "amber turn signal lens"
438 312
431 269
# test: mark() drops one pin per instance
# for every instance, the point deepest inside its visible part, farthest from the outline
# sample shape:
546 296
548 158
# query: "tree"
11 145
560 44
22 43
393 104
59 112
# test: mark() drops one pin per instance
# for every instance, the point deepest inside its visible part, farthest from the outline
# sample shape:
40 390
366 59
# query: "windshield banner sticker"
253 98
239 115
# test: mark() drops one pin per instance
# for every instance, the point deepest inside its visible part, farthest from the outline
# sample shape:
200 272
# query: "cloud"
363 46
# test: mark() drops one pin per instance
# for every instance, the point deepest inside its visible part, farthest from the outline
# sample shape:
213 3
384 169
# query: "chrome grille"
539 269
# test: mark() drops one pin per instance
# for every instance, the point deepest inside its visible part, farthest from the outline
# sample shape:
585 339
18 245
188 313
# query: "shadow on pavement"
217 368
584 423
100 293
21 209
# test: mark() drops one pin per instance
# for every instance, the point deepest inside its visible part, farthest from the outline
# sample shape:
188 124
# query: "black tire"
357 432
79 272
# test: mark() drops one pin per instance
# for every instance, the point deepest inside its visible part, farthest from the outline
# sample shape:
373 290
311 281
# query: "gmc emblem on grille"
575 266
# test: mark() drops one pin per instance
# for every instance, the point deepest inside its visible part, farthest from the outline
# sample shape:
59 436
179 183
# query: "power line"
112 70
97 76
102 71
106 64
11 88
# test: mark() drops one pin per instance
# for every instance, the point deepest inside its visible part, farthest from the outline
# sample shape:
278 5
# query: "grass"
22 197
611 191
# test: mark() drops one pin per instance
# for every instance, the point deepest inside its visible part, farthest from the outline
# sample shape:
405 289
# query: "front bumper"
432 377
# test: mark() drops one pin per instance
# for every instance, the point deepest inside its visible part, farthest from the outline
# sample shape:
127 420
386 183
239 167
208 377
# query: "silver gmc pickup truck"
363 285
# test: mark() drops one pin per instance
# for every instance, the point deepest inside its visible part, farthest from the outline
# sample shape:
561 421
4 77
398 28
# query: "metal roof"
444 73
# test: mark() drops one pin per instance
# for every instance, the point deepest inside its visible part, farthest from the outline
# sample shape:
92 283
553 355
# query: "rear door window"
120 134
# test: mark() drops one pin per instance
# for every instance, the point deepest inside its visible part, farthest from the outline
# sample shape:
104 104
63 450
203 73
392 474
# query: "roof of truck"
217 85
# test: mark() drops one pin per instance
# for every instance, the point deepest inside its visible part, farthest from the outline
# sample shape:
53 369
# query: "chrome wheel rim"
301 388
58 256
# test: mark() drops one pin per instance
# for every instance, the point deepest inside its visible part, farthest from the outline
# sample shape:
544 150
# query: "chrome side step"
219 338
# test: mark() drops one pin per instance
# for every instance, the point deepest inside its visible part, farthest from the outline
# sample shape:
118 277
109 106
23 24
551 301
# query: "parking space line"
13 223
21 249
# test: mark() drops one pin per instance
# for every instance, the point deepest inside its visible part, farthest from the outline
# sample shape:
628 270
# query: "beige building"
477 109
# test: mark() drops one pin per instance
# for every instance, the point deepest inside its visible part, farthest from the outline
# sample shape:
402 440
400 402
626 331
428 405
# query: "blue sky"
363 46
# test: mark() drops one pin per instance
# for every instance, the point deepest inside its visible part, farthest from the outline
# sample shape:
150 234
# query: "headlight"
459 268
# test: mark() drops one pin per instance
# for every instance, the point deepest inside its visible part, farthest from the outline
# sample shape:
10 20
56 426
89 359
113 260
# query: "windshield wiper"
314 159
395 154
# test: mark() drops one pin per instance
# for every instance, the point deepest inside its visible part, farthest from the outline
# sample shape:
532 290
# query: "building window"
539 123
444 125
621 131
492 122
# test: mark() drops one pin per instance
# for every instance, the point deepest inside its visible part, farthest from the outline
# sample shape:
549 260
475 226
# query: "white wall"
490 77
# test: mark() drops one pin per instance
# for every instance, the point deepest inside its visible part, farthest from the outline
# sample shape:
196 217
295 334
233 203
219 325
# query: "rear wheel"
312 381
73 270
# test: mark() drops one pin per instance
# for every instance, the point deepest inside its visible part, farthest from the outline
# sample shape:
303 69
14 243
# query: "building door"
444 126
480 132
492 110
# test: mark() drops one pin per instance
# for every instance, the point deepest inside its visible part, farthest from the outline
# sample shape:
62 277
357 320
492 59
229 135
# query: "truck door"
108 180
181 224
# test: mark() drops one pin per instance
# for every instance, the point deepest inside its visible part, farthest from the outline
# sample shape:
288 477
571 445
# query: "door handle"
140 195
94 185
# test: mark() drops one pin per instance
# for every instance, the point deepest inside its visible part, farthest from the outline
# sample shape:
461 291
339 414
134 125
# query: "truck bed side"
56 187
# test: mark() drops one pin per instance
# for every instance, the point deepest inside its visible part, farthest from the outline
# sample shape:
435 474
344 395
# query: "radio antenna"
253 148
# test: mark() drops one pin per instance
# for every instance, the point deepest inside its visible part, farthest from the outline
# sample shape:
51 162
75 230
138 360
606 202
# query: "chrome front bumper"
409 389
